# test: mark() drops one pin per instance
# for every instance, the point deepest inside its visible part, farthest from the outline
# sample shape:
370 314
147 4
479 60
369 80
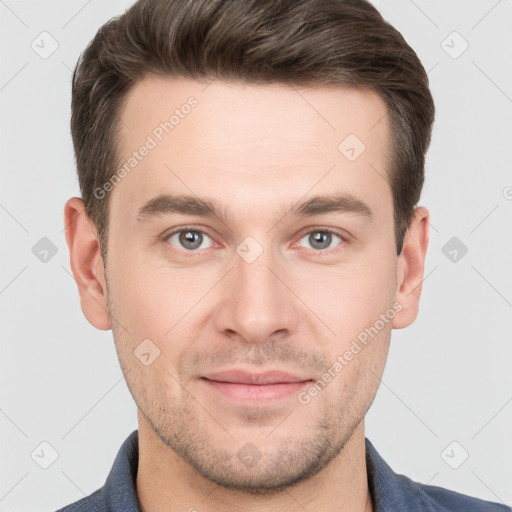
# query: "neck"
166 482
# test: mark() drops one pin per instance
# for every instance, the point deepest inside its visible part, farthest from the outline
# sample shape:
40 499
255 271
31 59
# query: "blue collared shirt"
390 492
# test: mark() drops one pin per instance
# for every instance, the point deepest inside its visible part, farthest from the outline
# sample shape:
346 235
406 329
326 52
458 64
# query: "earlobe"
410 268
86 263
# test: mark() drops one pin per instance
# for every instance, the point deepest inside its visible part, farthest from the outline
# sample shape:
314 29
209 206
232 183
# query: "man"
249 230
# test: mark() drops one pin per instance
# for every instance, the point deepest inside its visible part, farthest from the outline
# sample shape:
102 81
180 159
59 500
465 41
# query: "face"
287 264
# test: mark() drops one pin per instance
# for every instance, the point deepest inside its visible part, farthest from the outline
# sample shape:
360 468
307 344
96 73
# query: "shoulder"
393 491
95 502
118 491
452 501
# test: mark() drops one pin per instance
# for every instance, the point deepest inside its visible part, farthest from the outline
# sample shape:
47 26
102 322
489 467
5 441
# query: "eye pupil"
189 239
192 239
318 239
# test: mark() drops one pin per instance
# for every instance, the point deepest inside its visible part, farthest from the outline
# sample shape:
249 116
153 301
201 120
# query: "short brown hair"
293 42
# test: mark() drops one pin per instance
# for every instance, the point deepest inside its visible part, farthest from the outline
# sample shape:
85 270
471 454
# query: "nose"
257 300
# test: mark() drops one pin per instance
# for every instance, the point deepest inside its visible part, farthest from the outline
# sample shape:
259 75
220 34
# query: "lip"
254 388
263 378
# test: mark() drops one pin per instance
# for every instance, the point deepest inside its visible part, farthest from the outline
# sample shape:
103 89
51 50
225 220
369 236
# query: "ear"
411 265
86 263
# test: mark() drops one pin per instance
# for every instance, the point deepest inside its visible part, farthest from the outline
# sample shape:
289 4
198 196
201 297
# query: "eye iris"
320 237
191 237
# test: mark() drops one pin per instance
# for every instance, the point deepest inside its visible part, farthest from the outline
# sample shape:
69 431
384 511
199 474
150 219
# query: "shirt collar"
389 491
120 487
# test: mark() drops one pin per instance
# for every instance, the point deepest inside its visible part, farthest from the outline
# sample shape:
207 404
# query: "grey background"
448 376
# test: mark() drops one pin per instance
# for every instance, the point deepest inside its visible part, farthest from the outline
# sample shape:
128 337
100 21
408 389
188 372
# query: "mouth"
254 388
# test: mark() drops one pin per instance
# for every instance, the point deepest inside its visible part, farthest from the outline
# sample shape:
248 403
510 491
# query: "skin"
255 149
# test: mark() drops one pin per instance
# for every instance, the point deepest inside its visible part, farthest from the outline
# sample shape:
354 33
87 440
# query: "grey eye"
320 239
190 239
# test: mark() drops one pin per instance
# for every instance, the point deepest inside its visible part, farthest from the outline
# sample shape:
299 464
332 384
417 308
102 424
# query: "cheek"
156 302
350 297
358 361
145 303
148 345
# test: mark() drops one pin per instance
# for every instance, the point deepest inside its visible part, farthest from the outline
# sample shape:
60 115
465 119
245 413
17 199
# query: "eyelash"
194 253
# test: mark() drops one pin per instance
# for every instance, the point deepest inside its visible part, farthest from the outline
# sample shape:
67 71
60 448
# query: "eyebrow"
167 204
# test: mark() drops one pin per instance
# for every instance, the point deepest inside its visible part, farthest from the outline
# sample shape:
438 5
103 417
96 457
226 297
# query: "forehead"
234 141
